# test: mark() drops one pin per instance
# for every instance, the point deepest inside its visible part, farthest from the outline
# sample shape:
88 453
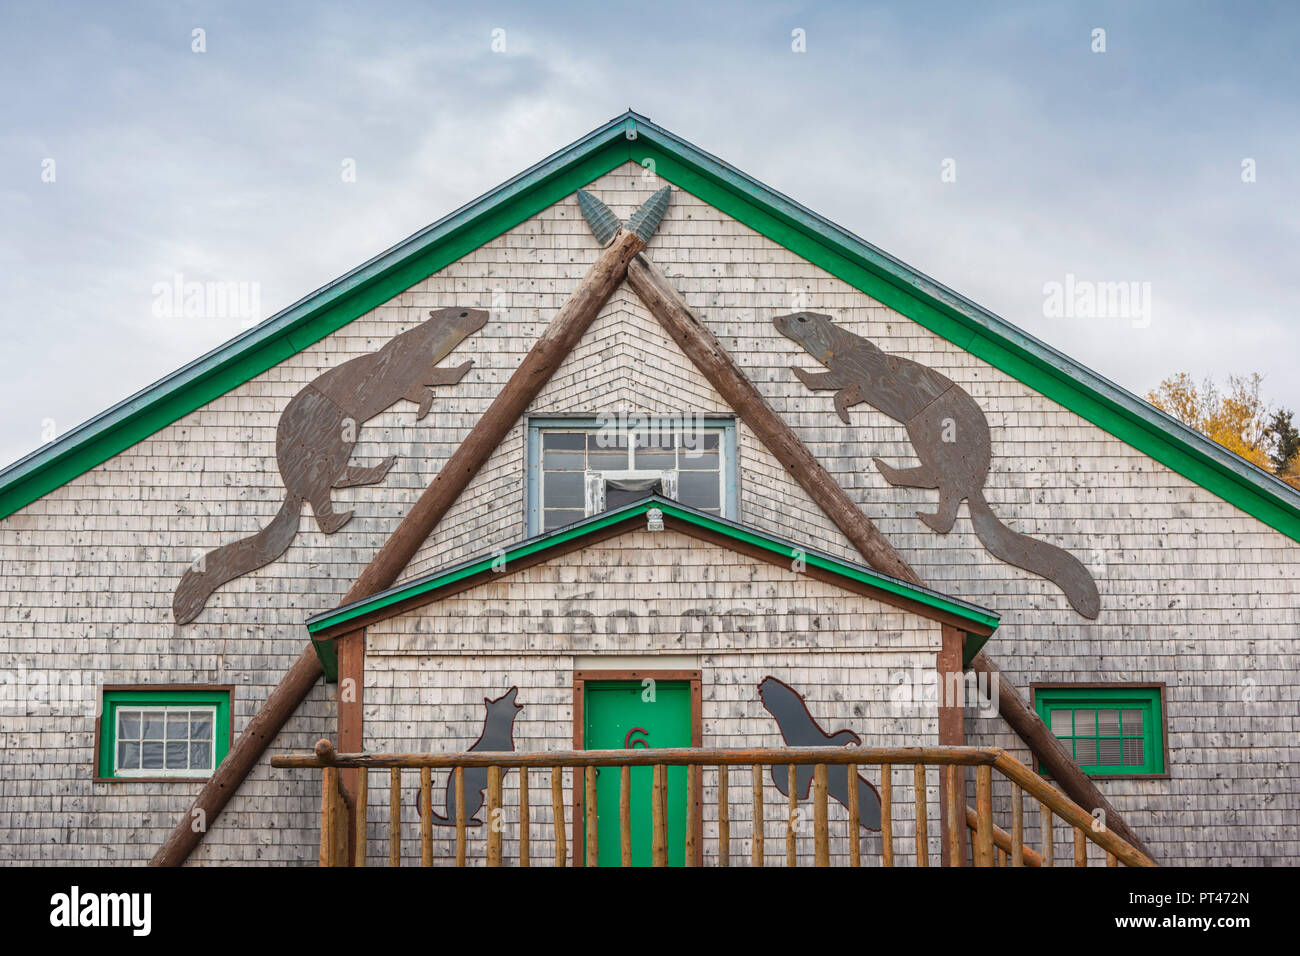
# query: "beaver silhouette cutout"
949 433
315 437
799 729
498 736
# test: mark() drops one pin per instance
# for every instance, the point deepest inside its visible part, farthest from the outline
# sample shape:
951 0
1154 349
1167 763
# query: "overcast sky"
225 165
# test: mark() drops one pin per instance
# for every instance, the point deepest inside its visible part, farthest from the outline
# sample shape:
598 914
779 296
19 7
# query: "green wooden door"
617 715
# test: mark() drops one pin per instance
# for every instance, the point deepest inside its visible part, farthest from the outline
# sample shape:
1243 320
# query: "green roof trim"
980 617
633 137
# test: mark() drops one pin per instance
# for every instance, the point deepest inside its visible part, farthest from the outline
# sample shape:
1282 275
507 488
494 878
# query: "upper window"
148 733
581 467
1110 731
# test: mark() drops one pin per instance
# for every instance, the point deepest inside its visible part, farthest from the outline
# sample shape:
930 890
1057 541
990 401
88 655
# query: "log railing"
989 844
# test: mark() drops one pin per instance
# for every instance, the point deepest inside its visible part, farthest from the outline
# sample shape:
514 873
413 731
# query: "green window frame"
189 727
1112 731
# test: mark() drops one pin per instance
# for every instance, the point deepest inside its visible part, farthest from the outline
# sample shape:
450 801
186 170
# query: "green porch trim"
632 137
983 620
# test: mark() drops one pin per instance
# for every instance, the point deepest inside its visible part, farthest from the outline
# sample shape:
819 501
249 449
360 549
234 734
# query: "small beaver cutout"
798 729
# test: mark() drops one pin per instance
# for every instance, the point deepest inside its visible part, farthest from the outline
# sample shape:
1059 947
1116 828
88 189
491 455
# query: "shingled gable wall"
1195 593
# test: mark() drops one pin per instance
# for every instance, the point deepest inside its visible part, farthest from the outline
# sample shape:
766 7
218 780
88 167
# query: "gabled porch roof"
978 623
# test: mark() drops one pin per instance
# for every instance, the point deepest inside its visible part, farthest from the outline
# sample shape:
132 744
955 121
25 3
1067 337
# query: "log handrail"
669 756
991 845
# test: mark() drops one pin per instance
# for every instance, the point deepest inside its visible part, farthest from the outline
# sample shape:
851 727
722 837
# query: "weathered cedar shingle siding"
1195 593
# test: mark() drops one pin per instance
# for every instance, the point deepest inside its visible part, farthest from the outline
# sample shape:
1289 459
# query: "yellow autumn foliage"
1237 420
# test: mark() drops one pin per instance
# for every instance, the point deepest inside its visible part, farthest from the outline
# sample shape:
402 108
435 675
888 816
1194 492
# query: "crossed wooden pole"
620 258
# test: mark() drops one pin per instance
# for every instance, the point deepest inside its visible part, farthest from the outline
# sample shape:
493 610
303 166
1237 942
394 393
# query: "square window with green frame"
162 733
1112 730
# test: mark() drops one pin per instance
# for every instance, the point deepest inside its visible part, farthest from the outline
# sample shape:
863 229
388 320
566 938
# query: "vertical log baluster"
821 826
525 823
1111 860
1045 824
724 816
756 852
426 817
329 782
920 796
692 810
495 816
855 820
395 816
886 815
593 835
363 800
459 778
1080 848
984 815
955 818
792 815
659 826
1017 826
557 813
625 815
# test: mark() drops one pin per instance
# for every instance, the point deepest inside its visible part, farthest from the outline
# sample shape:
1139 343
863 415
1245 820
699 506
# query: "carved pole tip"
324 749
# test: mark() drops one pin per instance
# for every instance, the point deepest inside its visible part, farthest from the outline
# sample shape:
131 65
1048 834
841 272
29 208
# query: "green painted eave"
632 137
409 592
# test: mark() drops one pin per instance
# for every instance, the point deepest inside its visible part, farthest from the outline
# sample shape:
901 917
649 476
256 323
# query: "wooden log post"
952 819
459 777
395 817
495 816
363 798
525 854
757 836
984 815
561 335
692 812
855 821
426 817
1046 828
886 815
821 826
589 810
792 816
658 825
329 783
625 815
1017 826
557 813
922 823
724 816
